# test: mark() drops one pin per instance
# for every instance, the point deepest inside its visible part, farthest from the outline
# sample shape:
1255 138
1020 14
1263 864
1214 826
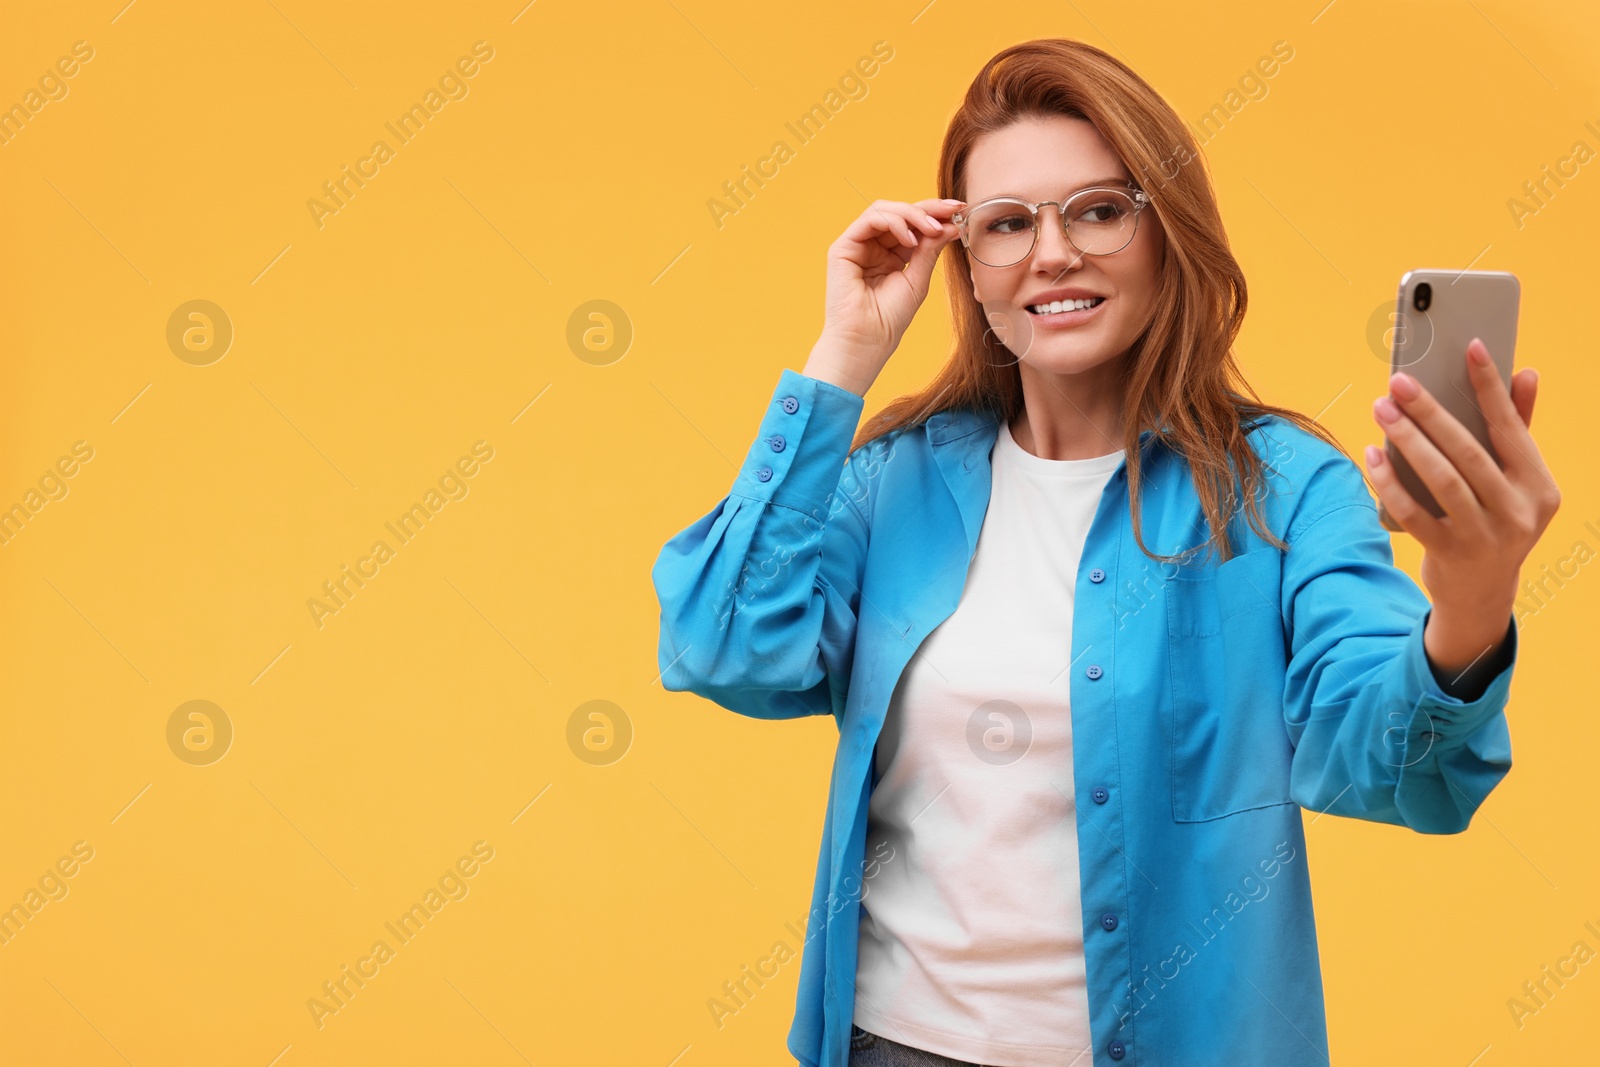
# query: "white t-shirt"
971 941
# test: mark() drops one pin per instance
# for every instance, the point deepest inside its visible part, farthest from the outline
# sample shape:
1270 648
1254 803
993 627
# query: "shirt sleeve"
1375 736
759 596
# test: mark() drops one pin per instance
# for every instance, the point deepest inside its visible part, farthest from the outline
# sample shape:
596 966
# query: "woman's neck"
1069 416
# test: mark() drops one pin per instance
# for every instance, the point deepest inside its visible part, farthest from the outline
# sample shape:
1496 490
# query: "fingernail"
1404 386
1374 456
1387 410
953 201
1478 353
1534 376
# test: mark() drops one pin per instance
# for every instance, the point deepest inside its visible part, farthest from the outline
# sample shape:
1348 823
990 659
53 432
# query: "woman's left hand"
1473 555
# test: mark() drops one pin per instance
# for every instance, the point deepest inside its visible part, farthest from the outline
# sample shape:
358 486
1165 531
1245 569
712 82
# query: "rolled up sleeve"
759 596
1375 736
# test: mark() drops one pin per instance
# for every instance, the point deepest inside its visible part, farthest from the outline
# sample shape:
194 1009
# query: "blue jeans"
871 1050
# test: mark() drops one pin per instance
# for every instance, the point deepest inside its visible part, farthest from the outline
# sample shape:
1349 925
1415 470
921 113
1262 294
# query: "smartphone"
1436 314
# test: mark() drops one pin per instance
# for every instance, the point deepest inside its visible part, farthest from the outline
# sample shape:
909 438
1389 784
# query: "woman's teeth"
1065 305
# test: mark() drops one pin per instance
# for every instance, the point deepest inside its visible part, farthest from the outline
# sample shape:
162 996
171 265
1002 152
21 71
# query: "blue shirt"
1209 703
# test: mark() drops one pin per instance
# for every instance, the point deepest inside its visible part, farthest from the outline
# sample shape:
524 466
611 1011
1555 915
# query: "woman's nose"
1053 249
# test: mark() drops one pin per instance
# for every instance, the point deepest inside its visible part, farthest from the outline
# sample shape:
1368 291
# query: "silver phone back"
1431 346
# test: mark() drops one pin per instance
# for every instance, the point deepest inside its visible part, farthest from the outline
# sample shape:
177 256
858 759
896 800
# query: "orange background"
638 865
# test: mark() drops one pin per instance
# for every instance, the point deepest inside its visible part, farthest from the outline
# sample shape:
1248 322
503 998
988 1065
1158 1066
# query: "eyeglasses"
1003 230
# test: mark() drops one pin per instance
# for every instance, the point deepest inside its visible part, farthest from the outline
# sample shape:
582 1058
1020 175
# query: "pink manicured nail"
1387 409
1374 456
1404 386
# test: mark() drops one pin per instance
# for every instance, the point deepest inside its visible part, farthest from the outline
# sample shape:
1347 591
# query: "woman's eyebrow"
1115 179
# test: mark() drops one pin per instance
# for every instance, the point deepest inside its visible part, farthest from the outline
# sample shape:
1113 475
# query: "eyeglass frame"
1140 198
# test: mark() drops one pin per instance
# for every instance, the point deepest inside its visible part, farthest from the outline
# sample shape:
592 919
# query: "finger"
919 268
1412 516
933 216
891 260
891 234
882 223
940 209
880 252
1524 390
1493 401
1441 477
939 233
893 254
1508 427
895 225
1460 448
911 215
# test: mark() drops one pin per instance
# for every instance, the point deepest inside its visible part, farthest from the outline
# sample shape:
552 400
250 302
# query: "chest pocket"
1229 749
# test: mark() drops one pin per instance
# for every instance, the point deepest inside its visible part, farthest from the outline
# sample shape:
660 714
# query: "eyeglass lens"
1098 222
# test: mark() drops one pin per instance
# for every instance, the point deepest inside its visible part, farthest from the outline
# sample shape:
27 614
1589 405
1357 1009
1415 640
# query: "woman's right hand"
878 275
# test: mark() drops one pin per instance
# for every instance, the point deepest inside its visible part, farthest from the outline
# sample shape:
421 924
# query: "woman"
1094 626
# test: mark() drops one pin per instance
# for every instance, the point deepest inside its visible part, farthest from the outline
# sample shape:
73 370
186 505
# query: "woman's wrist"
1465 651
830 362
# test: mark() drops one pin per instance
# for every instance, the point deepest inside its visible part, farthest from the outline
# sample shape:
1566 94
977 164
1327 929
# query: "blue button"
1100 796
1109 921
1094 670
791 405
1097 575
777 442
1117 1049
764 473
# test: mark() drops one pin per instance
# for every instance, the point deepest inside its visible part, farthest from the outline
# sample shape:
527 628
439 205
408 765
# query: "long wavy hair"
1181 373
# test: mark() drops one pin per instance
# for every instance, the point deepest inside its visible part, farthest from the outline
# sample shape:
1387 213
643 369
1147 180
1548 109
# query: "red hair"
1181 373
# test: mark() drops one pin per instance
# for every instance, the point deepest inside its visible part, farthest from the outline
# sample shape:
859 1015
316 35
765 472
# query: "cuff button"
764 473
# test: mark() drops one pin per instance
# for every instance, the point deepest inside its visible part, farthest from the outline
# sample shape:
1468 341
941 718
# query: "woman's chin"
1066 356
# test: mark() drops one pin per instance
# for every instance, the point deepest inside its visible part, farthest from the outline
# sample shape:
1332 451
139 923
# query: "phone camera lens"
1422 296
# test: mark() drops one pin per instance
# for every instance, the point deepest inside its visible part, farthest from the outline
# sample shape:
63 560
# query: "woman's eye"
1010 224
1104 212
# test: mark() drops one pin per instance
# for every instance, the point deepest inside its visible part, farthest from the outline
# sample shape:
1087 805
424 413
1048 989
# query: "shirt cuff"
1450 717
803 442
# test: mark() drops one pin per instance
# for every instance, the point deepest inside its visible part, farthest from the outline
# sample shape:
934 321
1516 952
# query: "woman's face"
1049 158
